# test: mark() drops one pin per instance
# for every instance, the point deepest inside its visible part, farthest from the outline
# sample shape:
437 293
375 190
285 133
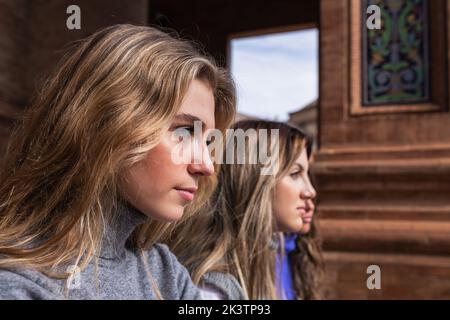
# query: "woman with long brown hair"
301 267
88 184
240 230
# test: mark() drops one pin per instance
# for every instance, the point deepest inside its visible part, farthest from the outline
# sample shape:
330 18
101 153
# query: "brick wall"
13 56
32 37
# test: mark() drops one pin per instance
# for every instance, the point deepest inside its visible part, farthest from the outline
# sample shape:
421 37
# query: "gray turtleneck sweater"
121 272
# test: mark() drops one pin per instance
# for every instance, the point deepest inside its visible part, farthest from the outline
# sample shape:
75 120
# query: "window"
275 73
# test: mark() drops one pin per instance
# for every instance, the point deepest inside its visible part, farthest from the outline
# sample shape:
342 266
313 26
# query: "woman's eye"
190 129
296 174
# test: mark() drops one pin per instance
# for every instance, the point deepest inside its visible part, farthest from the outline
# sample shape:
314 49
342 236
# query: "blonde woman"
240 231
89 184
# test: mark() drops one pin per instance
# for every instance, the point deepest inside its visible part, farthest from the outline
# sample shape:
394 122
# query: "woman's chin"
170 215
293 228
175 216
305 228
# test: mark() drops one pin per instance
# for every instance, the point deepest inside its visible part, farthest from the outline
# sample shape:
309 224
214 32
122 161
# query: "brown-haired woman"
300 268
240 230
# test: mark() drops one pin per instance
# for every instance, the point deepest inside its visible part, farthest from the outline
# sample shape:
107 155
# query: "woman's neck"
117 231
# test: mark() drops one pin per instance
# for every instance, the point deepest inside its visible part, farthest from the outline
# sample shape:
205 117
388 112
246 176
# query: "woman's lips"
186 194
307 218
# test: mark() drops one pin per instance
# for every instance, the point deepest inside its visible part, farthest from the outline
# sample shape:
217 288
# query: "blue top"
285 285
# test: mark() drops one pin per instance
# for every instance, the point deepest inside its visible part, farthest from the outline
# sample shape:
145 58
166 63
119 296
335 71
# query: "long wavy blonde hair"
234 233
104 107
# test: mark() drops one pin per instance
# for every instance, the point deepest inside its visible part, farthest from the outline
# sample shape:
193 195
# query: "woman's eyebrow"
300 167
185 117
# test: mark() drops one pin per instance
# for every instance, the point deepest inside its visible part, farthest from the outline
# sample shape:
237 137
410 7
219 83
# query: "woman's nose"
204 169
309 192
202 166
